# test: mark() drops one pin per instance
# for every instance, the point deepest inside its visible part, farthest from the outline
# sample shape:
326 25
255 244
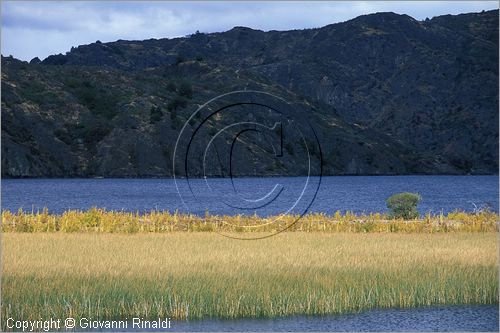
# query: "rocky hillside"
385 93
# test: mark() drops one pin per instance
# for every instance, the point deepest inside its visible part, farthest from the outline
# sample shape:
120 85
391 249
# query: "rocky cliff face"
385 93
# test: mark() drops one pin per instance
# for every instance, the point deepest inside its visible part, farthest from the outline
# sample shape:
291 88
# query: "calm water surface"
432 319
357 193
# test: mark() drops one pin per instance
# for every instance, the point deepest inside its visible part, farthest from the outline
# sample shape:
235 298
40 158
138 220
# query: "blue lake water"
483 318
263 196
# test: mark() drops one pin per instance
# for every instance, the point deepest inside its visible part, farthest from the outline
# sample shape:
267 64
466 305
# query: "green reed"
202 275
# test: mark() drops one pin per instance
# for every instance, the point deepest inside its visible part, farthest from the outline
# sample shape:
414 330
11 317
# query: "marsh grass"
99 220
200 275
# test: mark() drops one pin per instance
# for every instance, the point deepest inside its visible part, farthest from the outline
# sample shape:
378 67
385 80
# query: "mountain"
386 94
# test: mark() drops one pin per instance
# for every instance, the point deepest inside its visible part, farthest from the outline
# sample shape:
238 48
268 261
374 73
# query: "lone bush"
176 103
185 89
155 114
403 205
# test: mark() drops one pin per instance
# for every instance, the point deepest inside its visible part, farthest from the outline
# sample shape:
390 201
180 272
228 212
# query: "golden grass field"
202 274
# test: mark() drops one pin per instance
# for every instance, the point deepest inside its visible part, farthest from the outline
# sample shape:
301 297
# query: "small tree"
155 114
179 59
404 205
185 89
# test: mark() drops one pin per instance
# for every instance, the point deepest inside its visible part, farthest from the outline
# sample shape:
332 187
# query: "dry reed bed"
99 220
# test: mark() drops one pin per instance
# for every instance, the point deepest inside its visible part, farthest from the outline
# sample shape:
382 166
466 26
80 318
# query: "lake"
263 196
357 193
482 318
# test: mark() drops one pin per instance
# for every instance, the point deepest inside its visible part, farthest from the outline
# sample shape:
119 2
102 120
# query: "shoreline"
97 220
250 176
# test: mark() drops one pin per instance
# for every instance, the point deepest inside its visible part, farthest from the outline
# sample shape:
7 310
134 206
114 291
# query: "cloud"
32 29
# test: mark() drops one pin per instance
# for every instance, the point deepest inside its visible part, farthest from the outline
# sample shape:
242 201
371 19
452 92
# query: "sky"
38 29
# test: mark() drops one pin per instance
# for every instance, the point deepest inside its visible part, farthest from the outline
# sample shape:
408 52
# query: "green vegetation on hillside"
386 94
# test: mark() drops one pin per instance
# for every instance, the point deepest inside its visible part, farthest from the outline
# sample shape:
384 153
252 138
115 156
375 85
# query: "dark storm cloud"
32 29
